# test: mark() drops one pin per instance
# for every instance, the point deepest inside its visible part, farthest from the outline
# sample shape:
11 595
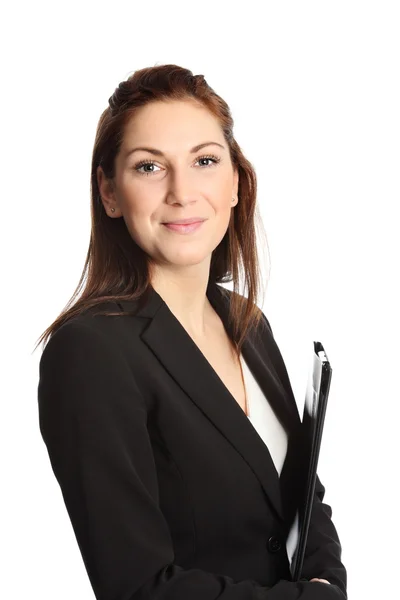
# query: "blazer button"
274 545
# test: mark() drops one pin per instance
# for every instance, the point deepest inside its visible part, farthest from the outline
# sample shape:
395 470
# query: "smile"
188 228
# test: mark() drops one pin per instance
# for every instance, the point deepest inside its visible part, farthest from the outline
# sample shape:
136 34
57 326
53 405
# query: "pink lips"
186 221
185 228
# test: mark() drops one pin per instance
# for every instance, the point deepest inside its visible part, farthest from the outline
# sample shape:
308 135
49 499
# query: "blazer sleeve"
323 549
92 419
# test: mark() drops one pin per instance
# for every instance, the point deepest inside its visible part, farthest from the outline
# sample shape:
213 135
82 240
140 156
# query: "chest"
220 354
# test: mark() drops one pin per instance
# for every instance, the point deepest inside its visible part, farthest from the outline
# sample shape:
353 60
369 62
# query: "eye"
143 163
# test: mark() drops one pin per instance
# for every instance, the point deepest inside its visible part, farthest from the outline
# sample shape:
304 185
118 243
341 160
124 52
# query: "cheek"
142 224
225 196
138 207
224 207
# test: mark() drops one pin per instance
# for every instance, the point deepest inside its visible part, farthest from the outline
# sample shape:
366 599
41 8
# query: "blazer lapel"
182 358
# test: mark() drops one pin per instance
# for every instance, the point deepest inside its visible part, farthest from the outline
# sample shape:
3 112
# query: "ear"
235 187
107 194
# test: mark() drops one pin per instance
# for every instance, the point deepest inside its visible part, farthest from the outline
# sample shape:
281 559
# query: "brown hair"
116 268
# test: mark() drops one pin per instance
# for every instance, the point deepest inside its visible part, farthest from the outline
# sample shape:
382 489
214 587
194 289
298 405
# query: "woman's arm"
323 551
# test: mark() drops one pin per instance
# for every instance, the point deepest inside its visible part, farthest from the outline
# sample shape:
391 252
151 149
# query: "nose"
180 188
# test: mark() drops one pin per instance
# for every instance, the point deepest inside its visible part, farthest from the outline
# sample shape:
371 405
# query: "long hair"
116 268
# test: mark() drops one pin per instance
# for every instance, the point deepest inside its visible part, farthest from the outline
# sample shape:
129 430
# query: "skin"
177 186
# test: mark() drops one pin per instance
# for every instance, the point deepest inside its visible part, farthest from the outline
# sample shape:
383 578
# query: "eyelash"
142 163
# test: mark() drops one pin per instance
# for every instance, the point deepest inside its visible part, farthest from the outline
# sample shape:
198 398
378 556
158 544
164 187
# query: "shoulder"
87 336
72 341
81 364
92 324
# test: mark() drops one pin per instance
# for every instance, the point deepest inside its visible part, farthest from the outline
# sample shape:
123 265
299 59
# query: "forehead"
172 124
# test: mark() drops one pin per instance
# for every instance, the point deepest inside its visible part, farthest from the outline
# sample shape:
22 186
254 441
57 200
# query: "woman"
164 400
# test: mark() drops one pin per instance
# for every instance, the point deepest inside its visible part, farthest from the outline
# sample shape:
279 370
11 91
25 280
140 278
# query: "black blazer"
171 491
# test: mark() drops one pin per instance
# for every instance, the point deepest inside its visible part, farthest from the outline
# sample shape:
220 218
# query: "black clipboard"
318 385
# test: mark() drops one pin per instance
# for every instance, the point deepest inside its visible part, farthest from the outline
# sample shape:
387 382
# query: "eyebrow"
159 153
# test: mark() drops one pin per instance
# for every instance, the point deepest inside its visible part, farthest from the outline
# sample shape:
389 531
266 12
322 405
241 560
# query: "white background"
314 92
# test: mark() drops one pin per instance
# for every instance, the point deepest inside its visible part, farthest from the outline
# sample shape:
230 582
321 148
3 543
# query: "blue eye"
215 160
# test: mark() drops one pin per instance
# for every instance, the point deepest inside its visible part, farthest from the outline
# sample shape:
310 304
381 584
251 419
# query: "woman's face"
176 184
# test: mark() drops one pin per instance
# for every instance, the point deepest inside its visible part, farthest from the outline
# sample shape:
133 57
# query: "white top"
264 420
268 427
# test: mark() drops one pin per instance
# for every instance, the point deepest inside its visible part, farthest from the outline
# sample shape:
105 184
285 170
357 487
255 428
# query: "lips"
184 228
184 221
